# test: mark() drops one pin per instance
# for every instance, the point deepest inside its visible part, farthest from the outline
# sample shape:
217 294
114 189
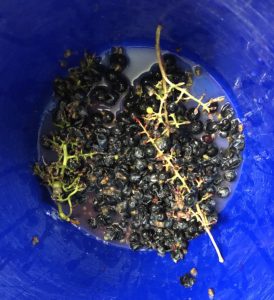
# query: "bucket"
234 42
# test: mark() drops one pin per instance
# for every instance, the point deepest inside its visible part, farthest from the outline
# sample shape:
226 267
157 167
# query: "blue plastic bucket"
234 41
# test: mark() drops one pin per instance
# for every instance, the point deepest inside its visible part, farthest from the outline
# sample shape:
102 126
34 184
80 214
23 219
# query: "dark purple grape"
196 127
214 107
211 150
193 114
211 126
230 175
223 191
118 60
227 111
187 280
224 125
207 138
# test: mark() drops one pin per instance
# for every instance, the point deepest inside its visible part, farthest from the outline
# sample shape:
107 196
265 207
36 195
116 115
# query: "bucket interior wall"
233 40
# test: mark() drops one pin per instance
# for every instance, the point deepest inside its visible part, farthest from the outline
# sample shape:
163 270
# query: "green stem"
61 213
163 104
65 159
67 188
77 189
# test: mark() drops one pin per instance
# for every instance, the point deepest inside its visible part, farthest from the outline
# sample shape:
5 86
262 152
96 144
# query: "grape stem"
168 86
184 95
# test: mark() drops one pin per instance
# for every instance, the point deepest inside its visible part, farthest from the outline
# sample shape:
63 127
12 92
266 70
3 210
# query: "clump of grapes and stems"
68 176
60 175
162 120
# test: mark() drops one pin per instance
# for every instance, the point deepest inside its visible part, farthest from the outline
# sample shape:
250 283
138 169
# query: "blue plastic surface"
235 41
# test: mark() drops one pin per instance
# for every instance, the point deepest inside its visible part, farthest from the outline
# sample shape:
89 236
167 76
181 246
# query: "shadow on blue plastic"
232 39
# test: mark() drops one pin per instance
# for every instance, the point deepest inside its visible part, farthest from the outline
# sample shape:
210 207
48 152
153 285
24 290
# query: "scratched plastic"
234 41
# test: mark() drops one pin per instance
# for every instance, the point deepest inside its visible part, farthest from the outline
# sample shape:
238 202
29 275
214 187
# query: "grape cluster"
153 167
